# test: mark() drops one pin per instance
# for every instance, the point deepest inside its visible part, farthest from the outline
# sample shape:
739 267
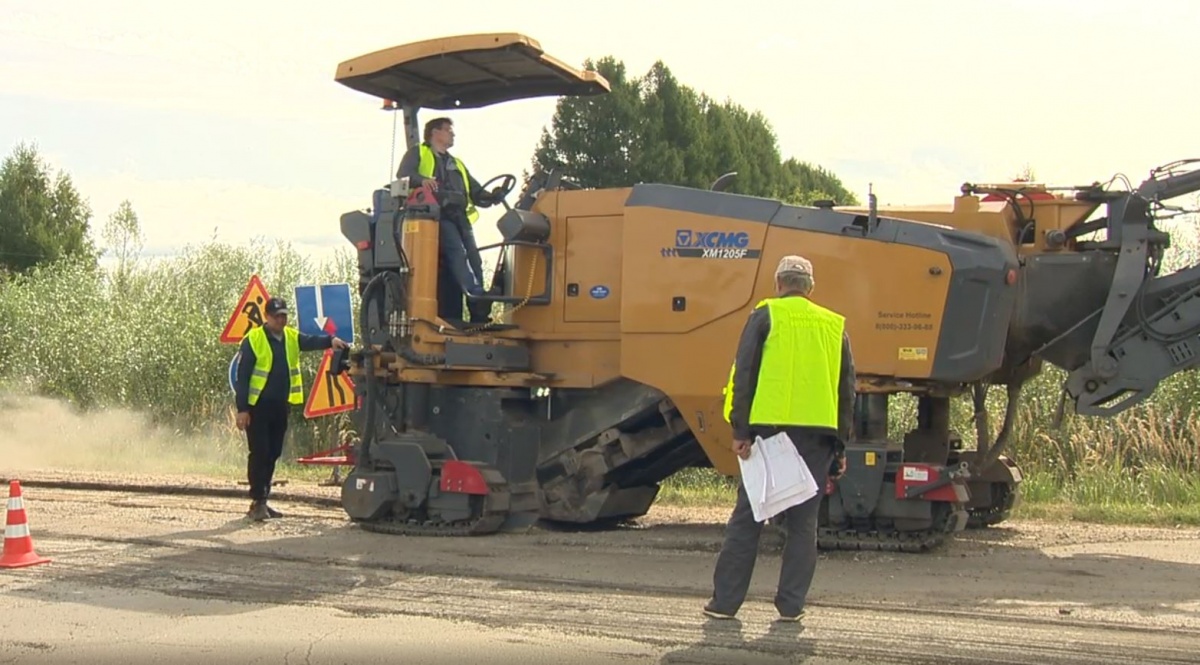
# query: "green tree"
123 238
595 137
656 129
42 217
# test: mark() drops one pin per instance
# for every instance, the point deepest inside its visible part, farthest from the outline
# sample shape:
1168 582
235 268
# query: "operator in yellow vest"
793 373
430 164
267 386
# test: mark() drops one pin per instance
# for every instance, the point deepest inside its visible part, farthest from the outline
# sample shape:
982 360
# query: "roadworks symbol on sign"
330 394
248 314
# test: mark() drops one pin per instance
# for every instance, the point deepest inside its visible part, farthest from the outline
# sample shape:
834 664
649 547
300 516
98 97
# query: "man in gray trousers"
793 373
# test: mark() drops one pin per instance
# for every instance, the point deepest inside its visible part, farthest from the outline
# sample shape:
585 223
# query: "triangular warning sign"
248 314
330 394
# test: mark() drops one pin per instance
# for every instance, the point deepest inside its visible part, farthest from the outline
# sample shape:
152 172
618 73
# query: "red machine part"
462 477
913 477
328 458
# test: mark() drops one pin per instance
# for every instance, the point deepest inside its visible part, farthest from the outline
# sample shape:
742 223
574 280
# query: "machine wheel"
1004 499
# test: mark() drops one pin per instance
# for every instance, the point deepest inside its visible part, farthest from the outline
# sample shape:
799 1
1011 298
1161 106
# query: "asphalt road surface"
144 578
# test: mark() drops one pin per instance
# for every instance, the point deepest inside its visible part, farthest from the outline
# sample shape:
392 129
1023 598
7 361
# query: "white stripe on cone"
16 531
16 503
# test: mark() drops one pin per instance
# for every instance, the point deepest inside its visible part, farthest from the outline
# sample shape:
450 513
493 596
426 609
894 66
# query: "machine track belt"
884 541
495 511
908 541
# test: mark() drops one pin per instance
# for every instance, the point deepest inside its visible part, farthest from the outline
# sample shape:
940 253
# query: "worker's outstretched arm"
241 383
846 395
745 374
315 342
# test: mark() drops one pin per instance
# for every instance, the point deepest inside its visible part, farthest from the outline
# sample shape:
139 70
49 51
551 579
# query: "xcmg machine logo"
711 245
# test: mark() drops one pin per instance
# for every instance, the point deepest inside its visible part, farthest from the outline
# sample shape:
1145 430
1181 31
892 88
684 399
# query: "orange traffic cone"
18 545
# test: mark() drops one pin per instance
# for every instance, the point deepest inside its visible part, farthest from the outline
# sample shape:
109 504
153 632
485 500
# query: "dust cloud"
38 434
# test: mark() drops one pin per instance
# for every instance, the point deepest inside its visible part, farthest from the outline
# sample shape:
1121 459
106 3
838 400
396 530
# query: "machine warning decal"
599 291
914 353
711 245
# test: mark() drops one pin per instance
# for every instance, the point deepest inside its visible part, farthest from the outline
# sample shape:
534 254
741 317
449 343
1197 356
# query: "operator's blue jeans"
459 252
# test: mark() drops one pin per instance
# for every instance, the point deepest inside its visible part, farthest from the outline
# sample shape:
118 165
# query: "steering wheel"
510 183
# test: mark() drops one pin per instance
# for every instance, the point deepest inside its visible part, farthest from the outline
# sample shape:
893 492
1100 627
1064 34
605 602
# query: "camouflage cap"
793 263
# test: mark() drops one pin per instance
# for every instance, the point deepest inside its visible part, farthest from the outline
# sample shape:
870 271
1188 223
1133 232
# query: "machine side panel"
694 254
490 426
604 207
1060 299
921 301
980 301
593 274
891 298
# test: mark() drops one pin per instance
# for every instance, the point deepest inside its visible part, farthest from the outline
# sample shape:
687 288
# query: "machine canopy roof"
467 71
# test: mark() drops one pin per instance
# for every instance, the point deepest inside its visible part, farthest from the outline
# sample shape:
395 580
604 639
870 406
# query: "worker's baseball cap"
276 306
793 263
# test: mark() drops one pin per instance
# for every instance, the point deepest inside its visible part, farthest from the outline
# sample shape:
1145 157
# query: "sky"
222 119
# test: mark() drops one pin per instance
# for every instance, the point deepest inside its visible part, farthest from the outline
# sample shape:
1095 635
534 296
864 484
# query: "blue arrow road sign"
325 309
233 368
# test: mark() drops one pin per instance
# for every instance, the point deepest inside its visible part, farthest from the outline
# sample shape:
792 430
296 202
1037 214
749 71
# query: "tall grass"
148 341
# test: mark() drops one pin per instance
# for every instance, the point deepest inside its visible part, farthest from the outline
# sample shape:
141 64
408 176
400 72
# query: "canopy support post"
412 131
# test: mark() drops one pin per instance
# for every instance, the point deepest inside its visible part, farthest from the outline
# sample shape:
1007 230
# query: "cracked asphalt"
144 578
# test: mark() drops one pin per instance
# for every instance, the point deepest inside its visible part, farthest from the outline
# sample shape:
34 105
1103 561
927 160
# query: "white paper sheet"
776 477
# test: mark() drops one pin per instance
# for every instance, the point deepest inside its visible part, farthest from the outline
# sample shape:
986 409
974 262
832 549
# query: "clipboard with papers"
776 477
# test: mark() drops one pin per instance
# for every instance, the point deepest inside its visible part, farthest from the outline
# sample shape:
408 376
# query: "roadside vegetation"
142 334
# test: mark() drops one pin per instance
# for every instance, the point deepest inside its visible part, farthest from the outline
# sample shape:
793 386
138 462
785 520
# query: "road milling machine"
622 308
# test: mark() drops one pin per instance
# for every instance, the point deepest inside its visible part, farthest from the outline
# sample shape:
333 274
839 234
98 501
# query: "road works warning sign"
330 394
248 314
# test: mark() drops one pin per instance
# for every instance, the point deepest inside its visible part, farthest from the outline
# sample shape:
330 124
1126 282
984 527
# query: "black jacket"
278 386
449 182
745 380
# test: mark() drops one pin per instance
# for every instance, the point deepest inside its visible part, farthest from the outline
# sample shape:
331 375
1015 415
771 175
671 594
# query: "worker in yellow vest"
430 165
793 373
267 387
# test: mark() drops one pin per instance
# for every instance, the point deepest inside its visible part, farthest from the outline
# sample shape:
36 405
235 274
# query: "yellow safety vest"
425 169
262 363
801 366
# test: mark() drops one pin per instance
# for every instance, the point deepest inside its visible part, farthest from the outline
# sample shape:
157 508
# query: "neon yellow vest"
425 169
262 363
801 366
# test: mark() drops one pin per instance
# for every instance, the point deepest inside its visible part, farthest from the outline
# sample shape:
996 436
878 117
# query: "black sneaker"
714 614
272 513
792 619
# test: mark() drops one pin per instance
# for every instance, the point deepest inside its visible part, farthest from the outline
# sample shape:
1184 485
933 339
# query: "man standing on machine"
446 178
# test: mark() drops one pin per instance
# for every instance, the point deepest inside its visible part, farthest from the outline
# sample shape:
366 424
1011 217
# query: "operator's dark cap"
276 306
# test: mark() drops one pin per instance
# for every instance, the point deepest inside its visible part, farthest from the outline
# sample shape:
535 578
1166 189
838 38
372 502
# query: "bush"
149 341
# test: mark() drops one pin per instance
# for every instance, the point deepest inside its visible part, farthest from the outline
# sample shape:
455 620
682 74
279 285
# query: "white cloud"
174 213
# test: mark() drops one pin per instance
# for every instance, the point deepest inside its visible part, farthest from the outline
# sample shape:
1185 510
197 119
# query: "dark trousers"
735 564
456 242
450 297
459 255
268 425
